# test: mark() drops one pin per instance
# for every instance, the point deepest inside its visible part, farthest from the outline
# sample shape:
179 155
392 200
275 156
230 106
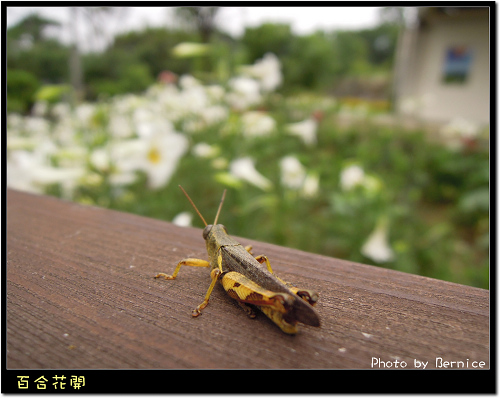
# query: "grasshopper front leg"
195 262
214 275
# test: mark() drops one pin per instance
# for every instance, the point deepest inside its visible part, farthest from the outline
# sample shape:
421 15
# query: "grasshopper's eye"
223 227
206 231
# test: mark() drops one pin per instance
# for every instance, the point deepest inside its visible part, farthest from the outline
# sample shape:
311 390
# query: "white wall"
440 101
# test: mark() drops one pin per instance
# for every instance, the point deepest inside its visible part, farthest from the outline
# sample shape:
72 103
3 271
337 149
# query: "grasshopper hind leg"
248 309
277 318
309 296
274 305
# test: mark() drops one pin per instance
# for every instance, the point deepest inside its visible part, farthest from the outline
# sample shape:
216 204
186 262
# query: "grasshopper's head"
210 229
214 229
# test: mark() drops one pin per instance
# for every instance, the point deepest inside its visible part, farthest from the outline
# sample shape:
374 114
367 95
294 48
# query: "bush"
21 88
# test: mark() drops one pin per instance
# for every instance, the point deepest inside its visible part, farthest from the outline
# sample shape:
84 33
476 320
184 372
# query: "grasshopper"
249 280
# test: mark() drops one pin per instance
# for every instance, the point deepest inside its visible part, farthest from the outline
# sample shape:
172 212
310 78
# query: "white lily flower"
244 169
351 176
305 130
71 156
377 245
120 125
457 131
293 173
64 131
157 156
36 126
193 100
215 92
204 150
267 70
20 165
15 123
214 114
311 185
84 114
30 172
162 157
52 175
183 219
220 163
244 92
148 123
100 159
119 178
40 108
187 81
61 110
257 124
189 50
204 118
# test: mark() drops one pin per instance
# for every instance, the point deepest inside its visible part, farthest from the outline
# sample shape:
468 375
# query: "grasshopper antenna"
197 211
220 206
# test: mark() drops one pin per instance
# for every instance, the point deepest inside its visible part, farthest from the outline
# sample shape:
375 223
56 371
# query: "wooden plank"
81 295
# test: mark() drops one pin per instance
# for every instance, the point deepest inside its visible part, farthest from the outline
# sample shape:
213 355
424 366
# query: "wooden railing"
81 294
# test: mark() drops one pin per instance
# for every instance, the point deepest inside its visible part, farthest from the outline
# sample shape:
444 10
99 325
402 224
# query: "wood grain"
81 295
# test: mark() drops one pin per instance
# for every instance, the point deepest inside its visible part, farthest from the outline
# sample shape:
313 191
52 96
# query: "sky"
303 20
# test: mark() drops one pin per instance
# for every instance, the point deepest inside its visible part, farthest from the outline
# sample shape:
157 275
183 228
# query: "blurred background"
358 133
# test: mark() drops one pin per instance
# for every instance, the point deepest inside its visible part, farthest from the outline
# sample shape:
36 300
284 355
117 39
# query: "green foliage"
381 42
318 61
351 53
310 62
32 28
268 37
47 60
153 47
52 93
21 87
202 18
116 72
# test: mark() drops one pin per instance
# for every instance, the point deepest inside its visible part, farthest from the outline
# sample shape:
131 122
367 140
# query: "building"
443 65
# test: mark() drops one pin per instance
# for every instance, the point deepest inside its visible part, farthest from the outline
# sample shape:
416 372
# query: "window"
457 64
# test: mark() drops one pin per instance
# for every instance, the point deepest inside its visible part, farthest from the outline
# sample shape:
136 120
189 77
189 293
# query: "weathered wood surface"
81 294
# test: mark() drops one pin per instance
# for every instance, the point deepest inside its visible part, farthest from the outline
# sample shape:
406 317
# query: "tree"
381 42
21 87
311 62
153 46
268 37
33 28
33 57
392 15
351 52
203 18
92 16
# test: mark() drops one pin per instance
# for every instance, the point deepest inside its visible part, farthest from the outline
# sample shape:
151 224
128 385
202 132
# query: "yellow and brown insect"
249 280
